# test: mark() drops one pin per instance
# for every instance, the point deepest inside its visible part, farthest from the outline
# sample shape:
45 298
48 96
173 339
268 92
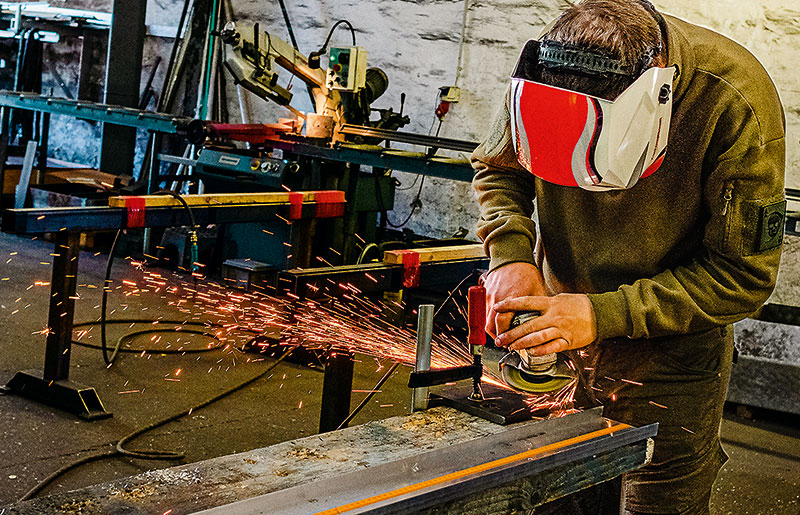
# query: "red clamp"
476 301
295 205
135 207
330 204
410 268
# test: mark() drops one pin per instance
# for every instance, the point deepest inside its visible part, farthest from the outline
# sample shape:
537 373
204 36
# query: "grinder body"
528 372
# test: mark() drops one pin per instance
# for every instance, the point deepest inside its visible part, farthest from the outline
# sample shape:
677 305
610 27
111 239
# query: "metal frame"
118 115
51 385
537 463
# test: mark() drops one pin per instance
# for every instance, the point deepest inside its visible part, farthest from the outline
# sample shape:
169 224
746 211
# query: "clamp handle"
476 300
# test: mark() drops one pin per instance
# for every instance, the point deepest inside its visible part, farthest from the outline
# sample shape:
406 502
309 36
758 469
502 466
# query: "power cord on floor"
120 450
128 336
109 360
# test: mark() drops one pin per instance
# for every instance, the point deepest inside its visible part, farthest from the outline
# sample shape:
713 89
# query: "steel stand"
337 385
51 385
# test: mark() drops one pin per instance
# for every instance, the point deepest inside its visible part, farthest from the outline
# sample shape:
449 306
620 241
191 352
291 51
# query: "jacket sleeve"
505 194
736 270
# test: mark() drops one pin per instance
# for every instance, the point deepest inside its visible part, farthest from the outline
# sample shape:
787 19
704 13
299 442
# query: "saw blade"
525 382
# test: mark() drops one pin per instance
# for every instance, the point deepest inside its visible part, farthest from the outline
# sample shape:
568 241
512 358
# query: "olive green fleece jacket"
695 245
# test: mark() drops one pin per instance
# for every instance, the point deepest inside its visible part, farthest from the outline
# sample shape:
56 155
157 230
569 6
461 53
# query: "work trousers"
680 383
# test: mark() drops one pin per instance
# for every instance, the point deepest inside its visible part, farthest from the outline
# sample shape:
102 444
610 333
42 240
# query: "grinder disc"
525 382
516 376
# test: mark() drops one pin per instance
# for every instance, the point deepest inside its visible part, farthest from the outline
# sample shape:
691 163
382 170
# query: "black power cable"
294 44
120 450
107 283
313 57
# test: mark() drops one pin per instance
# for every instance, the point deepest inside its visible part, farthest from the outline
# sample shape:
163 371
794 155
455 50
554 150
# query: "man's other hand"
567 322
508 282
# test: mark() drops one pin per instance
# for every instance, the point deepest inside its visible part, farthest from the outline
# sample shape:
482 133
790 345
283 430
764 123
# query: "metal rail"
410 138
57 219
127 116
373 155
372 277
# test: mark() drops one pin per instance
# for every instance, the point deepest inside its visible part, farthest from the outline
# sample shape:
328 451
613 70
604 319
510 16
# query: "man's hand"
507 282
567 322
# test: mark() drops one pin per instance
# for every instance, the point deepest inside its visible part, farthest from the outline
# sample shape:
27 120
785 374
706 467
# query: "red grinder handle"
476 300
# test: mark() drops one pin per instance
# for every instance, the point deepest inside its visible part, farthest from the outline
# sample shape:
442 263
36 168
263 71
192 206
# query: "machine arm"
251 56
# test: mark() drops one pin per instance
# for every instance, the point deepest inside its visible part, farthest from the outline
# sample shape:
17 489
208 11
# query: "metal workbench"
51 385
445 462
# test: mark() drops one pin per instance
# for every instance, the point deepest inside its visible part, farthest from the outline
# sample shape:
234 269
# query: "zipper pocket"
727 197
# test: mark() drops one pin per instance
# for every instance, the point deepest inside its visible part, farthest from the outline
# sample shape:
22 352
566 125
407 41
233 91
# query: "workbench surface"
220 481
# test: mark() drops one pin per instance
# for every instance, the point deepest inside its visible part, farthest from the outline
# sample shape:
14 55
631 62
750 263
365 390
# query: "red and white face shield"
573 139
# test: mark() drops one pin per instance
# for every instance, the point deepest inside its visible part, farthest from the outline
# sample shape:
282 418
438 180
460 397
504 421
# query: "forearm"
709 292
505 225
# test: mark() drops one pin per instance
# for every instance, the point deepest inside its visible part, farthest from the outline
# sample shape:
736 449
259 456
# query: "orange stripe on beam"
471 470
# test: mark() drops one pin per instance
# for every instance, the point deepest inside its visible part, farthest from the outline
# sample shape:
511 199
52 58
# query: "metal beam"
123 75
408 137
442 167
55 219
552 449
118 115
372 277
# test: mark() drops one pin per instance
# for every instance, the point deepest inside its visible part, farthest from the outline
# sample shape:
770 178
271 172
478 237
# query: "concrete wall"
417 43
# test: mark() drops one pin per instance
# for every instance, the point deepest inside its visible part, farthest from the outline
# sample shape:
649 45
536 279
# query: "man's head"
626 30
591 100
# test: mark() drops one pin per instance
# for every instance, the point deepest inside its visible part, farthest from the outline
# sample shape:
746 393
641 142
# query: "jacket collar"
680 55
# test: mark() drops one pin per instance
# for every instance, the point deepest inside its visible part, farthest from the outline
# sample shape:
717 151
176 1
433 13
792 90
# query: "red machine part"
251 133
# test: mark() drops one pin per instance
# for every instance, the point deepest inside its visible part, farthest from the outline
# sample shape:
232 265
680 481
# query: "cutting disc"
525 382
514 376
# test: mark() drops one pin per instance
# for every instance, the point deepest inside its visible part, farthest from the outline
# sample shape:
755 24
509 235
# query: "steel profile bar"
597 448
408 137
127 116
445 168
54 219
372 277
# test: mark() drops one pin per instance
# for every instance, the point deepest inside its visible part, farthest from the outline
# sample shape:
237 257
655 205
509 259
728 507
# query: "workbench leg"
62 305
337 385
52 385
4 140
302 235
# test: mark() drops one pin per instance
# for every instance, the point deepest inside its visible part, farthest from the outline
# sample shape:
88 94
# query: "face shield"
573 139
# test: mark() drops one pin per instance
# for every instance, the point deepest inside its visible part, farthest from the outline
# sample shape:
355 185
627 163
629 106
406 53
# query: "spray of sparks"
349 323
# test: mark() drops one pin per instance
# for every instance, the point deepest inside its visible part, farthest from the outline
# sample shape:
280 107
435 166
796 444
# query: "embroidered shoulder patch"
770 226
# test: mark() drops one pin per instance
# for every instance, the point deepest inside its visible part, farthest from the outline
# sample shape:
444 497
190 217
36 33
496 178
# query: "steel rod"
419 396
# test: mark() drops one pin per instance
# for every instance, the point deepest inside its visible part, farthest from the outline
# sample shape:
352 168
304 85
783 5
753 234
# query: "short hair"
627 30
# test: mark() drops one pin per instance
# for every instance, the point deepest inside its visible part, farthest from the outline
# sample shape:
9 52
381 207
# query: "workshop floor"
762 476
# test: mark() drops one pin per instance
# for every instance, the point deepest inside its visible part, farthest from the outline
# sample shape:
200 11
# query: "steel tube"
419 396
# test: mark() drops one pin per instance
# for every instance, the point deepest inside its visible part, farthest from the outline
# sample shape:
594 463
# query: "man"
646 251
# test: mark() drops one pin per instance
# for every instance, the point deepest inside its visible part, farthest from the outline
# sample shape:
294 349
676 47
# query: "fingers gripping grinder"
527 372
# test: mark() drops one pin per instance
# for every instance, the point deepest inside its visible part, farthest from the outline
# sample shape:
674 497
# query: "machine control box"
265 170
347 68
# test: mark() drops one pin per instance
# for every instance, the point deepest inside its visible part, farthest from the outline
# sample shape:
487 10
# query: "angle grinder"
527 372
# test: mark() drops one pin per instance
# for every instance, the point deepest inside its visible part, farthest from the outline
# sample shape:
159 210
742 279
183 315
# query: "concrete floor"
762 476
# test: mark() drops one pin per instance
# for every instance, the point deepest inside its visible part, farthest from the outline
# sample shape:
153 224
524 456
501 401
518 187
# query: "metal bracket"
63 394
